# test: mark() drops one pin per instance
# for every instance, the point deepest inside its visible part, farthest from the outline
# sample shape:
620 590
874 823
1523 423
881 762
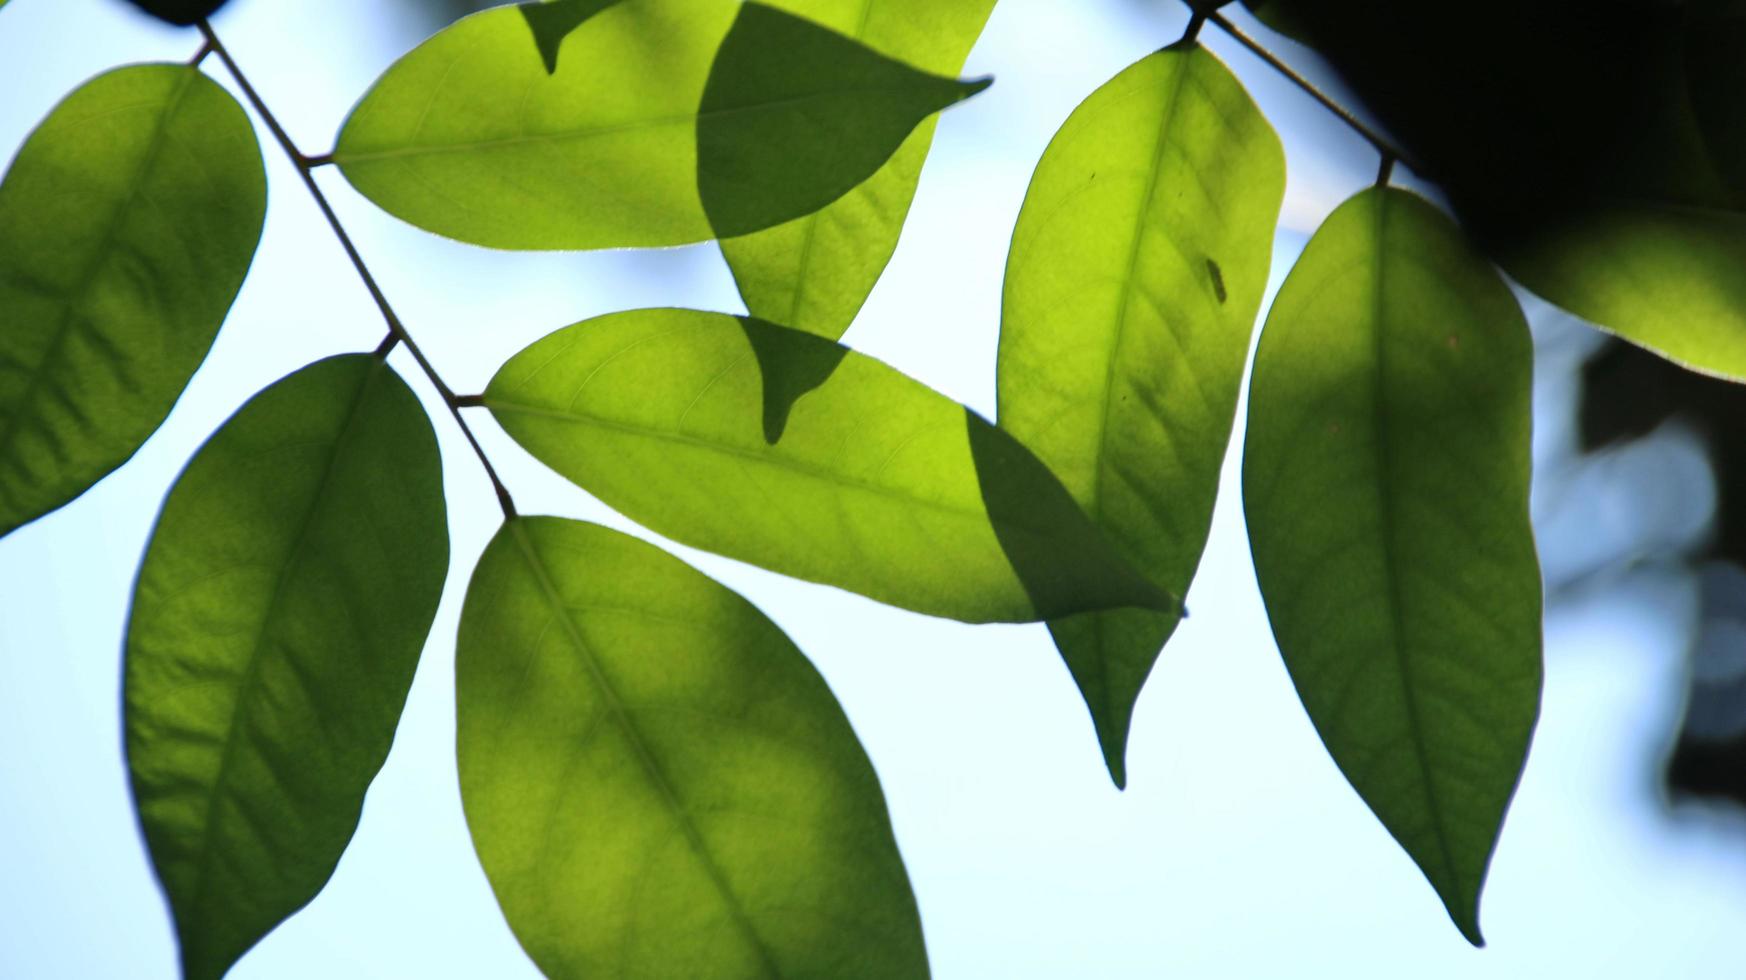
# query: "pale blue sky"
1238 851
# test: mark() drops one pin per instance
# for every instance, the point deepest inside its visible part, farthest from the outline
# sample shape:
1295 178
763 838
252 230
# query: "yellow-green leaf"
657 782
278 616
657 122
1385 481
791 452
1135 275
127 223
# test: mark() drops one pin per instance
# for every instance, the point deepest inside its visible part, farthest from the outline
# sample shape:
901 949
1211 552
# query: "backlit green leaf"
127 223
814 273
725 434
1385 480
659 122
1669 278
658 783
1135 274
278 617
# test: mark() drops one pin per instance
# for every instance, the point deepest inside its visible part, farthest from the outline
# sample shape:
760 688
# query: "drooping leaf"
814 273
657 782
1385 482
724 433
183 12
1135 275
279 614
1605 170
127 223
661 122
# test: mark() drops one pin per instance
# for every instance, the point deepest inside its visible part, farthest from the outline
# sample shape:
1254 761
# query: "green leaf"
1385 481
1666 277
725 434
279 614
814 273
658 783
127 223
1135 275
663 122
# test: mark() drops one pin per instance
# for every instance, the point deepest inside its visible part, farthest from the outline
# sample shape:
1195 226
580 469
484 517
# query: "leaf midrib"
1390 524
645 756
343 157
496 403
251 677
74 299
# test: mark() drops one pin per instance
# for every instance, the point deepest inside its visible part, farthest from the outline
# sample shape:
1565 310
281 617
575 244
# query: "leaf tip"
970 87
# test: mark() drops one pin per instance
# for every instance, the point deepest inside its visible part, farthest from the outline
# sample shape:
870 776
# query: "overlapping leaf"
127 223
279 614
814 273
657 782
652 122
1385 481
1135 275
724 433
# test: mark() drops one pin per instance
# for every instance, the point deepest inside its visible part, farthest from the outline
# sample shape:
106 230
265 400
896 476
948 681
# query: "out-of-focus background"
1237 851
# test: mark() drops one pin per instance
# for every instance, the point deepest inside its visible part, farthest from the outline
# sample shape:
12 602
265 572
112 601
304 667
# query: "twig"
1390 152
397 333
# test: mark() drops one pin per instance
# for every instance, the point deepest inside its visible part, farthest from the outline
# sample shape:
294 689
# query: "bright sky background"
1238 851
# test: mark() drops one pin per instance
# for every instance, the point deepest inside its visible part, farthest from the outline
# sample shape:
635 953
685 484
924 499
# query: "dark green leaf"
1136 271
658 783
279 614
723 433
663 122
814 273
1385 480
127 223
182 12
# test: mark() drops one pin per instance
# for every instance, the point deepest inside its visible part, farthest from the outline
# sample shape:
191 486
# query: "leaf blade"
122 247
276 623
684 127
1385 482
791 452
1125 325
815 272
667 717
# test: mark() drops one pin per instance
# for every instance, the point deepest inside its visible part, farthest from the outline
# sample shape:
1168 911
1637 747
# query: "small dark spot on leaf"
1454 342
1218 279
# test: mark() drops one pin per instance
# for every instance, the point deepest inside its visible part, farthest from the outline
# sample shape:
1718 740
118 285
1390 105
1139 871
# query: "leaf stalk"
397 332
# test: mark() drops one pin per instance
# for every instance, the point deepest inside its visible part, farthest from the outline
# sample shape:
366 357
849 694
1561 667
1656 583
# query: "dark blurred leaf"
127 223
1598 149
658 783
814 273
182 12
1125 329
1385 482
641 136
279 614
722 433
